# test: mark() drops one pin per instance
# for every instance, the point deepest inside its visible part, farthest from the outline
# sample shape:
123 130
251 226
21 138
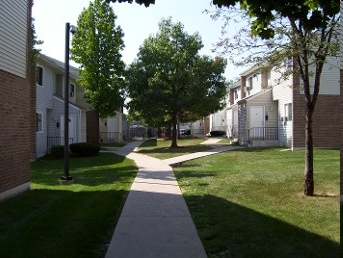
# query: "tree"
35 41
96 47
305 30
170 81
308 19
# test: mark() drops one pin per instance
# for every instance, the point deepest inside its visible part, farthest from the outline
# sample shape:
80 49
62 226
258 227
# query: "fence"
263 133
52 141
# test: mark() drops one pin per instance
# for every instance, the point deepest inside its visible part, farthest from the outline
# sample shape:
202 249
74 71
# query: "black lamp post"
67 177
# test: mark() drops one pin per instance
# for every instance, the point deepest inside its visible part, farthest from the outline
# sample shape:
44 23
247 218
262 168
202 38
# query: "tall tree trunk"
174 131
308 178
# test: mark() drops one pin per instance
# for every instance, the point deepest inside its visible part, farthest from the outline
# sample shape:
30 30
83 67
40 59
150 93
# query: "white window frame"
288 112
39 129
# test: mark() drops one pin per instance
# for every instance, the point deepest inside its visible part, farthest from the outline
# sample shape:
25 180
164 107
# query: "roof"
70 103
73 71
251 70
254 96
236 84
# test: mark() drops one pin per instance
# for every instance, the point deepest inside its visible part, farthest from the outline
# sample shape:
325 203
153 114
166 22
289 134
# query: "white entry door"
256 122
72 129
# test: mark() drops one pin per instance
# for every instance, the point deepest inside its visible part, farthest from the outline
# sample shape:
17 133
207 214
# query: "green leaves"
314 14
170 77
96 47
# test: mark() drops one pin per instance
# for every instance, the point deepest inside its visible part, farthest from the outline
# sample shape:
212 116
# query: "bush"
57 151
83 149
217 133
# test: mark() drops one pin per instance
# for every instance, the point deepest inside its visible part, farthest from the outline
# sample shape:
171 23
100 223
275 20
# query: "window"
236 94
249 86
39 123
39 75
288 63
288 112
72 90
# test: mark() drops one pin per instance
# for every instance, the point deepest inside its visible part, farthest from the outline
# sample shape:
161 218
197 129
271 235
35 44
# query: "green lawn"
161 149
244 203
249 203
77 220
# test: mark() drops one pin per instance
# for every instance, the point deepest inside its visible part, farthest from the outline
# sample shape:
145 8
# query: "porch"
263 137
53 141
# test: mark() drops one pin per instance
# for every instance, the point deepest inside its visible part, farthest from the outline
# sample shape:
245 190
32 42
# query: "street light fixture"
67 178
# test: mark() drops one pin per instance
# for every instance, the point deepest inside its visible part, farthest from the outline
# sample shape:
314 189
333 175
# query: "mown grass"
161 148
76 220
249 203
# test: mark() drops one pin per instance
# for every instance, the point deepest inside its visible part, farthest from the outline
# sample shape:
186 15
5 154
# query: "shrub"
57 151
217 133
83 149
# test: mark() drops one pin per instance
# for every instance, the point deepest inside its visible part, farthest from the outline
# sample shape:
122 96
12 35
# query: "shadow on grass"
51 223
231 230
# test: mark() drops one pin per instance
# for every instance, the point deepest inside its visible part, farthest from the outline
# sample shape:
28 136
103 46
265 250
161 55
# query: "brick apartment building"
17 97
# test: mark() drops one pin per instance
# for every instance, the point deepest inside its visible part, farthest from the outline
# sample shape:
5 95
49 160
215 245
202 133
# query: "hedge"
83 149
217 133
57 151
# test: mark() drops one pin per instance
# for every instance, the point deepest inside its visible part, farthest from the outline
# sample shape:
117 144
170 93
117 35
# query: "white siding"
277 78
197 128
44 103
329 81
232 121
41 137
13 40
283 93
265 100
58 111
44 93
218 121
256 79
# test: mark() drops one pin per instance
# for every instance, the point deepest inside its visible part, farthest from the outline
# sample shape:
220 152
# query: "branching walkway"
155 221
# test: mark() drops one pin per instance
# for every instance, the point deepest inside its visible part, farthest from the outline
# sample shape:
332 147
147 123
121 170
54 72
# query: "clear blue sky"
136 21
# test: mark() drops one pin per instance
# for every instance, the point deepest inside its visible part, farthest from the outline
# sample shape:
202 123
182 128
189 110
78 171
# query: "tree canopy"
169 80
96 47
311 13
311 25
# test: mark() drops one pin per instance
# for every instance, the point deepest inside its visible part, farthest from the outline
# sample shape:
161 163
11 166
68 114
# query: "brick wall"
17 124
326 126
15 131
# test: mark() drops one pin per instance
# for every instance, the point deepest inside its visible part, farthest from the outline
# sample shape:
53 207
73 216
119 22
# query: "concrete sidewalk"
212 142
155 220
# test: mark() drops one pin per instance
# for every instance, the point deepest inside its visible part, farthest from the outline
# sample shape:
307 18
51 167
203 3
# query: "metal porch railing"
52 141
263 133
